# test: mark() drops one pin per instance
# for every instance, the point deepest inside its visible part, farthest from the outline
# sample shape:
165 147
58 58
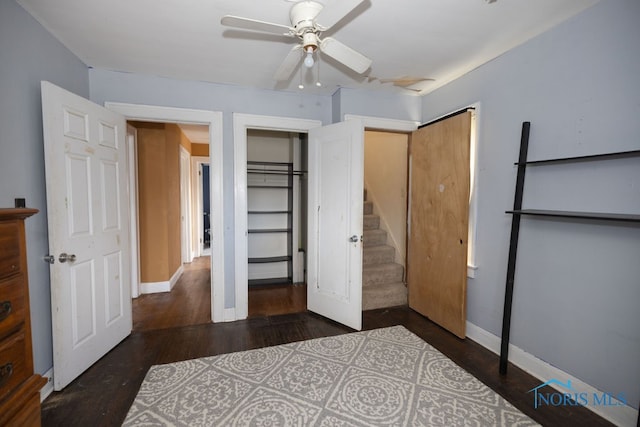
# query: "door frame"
241 124
214 119
132 152
393 125
186 231
196 194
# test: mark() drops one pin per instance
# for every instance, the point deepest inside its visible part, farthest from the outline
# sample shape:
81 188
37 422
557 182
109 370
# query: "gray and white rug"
383 377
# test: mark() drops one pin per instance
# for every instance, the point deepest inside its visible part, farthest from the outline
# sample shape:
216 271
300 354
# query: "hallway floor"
189 302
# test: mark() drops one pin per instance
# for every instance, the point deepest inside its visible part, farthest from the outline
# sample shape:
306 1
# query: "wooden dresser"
19 387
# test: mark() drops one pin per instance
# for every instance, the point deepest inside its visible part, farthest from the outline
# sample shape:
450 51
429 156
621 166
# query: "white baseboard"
624 415
155 287
229 315
48 387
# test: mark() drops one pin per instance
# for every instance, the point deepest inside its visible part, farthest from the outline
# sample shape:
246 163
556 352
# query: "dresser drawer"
12 304
9 248
13 368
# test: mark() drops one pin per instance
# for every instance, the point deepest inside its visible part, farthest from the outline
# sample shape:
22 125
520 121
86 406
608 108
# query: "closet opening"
277 221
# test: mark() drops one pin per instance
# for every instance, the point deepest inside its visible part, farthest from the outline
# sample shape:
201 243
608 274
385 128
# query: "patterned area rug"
383 377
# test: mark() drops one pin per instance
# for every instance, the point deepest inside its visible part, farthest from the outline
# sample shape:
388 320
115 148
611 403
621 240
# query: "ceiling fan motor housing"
303 15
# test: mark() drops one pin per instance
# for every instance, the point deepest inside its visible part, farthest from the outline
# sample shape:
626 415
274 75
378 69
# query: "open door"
89 237
439 221
336 174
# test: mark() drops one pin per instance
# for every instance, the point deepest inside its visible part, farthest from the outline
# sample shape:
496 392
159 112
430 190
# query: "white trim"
132 152
229 315
381 123
619 415
241 123
471 271
185 206
47 389
154 287
214 120
473 192
296 261
196 185
166 286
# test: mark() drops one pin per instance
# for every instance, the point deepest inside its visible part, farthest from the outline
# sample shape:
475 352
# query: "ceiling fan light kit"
304 17
310 44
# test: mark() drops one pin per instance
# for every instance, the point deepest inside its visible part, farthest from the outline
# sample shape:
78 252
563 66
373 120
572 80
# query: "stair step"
371 222
378 255
374 238
378 274
388 295
368 208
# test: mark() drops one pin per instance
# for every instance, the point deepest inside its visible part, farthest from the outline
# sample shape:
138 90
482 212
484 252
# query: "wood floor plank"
188 303
103 394
177 326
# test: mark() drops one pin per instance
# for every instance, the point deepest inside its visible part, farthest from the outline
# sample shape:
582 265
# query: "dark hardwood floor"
103 394
272 300
188 303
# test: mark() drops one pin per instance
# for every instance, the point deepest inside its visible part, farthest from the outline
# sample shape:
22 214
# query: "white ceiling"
437 39
198 134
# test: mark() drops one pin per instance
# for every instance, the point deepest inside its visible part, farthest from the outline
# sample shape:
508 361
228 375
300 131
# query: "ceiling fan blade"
332 14
289 64
344 54
255 25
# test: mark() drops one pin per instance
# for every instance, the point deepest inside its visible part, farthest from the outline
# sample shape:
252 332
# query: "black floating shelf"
592 157
266 260
578 215
269 230
271 281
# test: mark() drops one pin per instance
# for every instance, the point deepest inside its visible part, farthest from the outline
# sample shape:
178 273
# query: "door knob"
353 239
50 259
64 257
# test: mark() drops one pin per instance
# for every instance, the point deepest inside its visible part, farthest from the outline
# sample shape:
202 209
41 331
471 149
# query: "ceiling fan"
308 20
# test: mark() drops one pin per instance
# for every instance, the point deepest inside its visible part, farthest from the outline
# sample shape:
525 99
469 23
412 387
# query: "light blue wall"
29 54
387 105
577 283
577 288
151 90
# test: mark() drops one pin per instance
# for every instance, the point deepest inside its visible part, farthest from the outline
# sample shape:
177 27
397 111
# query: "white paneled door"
87 210
336 174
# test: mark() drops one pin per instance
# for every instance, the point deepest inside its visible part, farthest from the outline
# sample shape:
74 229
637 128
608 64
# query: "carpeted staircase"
382 278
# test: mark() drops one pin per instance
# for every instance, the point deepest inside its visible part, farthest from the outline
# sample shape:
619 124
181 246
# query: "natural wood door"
334 265
88 216
439 221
